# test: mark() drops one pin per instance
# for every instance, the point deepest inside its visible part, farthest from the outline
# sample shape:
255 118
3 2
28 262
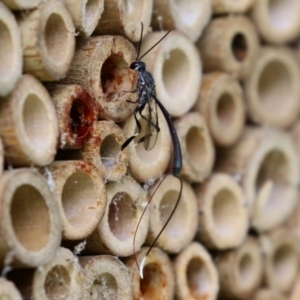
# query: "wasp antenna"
140 43
154 45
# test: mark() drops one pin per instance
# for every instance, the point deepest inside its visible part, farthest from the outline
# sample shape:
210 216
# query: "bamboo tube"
295 293
220 198
265 160
115 234
195 273
146 166
58 279
125 18
188 17
231 6
30 223
106 277
176 68
182 228
76 112
198 153
229 44
158 280
22 4
11 51
28 124
277 21
85 14
221 102
8 291
81 196
1 158
281 259
268 294
101 67
275 76
103 150
45 31
240 270
293 222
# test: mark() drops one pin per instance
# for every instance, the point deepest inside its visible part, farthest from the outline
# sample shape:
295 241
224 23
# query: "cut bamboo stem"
198 153
146 166
76 112
188 17
221 102
182 228
125 18
48 40
28 124
105 277
240 270
277 21
85 14
81 196
8 290
103 150
295 293
158 280
266 163
231 6
58 279
11 51
176 67
116 232
229 44
268 294
281 260
195 273
30 222
22 4
220 198
101 67
275 76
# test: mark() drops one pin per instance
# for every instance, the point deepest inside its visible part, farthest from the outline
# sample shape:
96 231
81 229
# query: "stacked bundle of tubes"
71 199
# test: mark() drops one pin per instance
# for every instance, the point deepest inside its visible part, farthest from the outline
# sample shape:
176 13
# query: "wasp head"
138 66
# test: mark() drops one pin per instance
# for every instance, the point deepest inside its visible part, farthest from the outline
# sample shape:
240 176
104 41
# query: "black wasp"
147 101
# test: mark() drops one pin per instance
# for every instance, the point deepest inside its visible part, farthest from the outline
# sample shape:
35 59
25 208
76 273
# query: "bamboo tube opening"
239 47
153 281
25 197
104 287
198 278
57 283
109 151
78 194
176 72
196 146
6 57
246 269
122 216
226 110
285 264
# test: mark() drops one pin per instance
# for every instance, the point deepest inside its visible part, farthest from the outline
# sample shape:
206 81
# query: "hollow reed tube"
11 61
275 76
125 18
158 280
196 276
229 44
28 124
198 153
231 6
105 277
240 270
80 194
76 113
221 102
85 14
183 225
219 198
22 4
45 31
176 68
8 290
188 17
30 226
115 234
60 278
